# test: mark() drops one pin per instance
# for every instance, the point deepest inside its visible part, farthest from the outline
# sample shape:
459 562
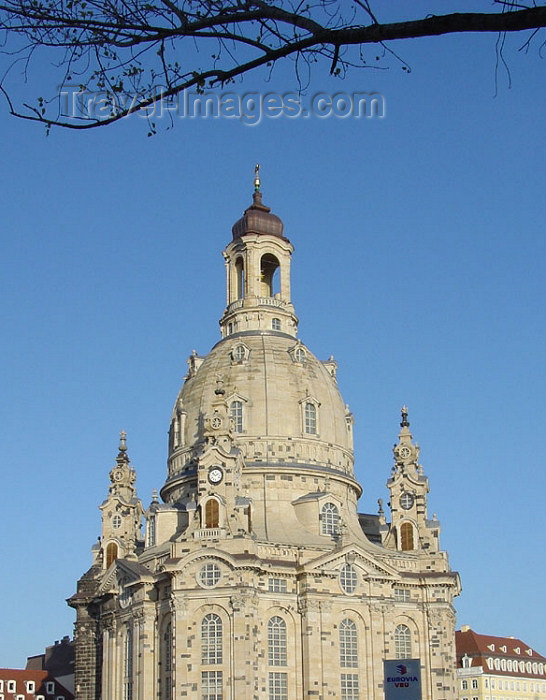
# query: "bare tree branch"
137 52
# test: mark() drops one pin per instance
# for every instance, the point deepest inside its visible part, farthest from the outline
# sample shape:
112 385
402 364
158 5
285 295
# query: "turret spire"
405 421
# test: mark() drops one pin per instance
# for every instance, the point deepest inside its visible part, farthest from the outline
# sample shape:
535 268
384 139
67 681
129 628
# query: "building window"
310 418
349 686
167 666
236 415
348 645
209 575
299 354
268 279
212 513
239 353
276 641
50 687
128 665
277 585
406 537
151 530
211 685
329 517
474 682
116 521
402 595
278 686
348 579
276 324
402 642
31 686
111 553
464 685
240 272
211 640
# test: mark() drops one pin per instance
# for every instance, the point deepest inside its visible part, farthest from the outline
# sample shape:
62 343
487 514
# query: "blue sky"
419 263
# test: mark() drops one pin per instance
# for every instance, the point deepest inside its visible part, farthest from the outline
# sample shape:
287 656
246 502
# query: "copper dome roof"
258 219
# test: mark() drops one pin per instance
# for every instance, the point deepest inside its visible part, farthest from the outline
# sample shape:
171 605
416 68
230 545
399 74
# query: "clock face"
404 452
118 475
406 500
216 422
215 475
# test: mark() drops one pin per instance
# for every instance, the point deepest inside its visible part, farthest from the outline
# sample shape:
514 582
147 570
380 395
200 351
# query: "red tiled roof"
40 679
480 647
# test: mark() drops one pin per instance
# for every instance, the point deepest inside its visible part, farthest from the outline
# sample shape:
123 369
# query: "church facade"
255 577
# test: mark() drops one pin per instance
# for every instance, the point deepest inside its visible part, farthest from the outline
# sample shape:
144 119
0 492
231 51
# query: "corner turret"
122 511
410 529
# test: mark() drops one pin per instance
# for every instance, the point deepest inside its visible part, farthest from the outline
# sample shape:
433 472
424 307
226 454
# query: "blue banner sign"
402 679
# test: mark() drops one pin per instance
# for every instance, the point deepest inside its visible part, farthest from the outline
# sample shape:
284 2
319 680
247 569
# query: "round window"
209 575
239 353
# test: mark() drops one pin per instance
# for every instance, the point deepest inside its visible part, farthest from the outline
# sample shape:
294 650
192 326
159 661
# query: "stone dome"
285 407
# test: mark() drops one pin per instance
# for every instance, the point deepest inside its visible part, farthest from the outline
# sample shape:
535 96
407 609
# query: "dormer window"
329 517
239 353
467 661
310 418
300 354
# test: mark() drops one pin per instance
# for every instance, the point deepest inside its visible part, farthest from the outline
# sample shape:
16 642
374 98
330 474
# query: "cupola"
258 218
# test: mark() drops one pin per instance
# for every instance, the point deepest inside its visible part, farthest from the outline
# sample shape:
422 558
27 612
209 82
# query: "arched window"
276 324
212 513
300 354
276 641
128 665
111 553
402 642
166 665
310 418
151 530
348 645
240 271
268 279
329 519
236 415
211 640
406 537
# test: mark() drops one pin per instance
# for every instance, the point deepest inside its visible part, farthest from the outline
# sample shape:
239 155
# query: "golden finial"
257 182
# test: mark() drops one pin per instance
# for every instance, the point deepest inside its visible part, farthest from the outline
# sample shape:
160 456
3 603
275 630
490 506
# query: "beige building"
256 577
498 668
